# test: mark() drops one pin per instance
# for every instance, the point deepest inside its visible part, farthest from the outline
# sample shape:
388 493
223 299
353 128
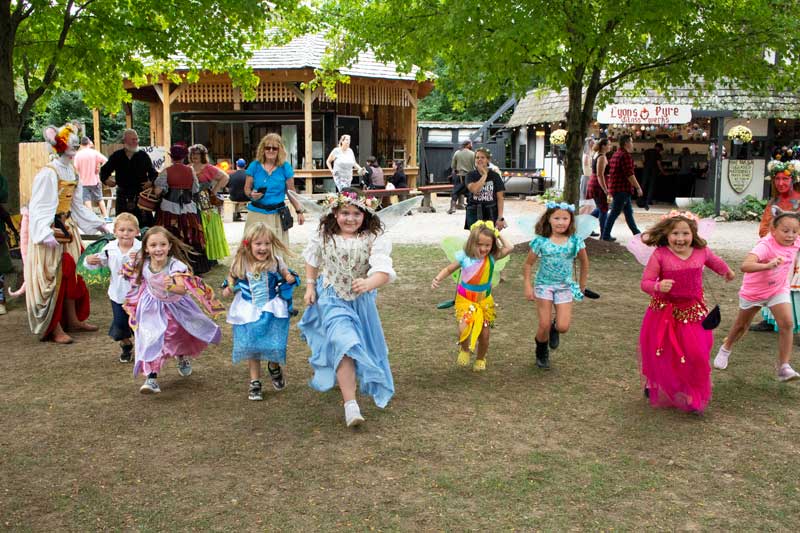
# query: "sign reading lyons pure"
645 114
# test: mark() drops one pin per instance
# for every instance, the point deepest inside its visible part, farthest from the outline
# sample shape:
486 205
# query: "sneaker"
278 383
3 309
463 358
126 356
762 326
255 391
479 366
150 387
721 360
787 373
352 414
555 337
184 367
608 239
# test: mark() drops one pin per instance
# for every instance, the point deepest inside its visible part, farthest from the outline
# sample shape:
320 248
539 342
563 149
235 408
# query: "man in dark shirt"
236 189
133 172
652 170
620 180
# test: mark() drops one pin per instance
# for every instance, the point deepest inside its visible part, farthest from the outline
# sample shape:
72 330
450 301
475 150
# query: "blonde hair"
177 249
244 257
471 246
126 217
273 138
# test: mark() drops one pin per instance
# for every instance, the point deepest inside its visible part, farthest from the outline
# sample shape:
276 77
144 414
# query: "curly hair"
329 227
658 235
545 229
199 149
178 249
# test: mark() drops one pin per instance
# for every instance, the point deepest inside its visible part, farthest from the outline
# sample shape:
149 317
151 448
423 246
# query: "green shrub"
751 208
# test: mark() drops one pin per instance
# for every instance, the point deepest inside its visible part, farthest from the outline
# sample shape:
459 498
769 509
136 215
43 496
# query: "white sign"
645 114
158 155
740 174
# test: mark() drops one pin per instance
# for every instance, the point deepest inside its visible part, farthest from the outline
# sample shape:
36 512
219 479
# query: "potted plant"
740 134
558 137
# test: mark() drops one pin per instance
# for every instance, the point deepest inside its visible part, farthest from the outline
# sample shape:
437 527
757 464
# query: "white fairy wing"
705 227
527 225
314 209
585 225
393 214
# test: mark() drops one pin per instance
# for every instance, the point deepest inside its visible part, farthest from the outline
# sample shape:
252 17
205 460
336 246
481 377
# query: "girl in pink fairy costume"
166 319
674 346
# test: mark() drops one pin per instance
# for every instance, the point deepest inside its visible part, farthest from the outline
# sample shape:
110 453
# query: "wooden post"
308 162
412 130
155 123
167 137
128 108
96 128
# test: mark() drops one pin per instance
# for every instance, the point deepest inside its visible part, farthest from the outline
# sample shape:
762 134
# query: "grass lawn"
513 448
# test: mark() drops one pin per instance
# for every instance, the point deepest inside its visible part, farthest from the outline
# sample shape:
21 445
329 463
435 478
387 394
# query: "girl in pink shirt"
767 271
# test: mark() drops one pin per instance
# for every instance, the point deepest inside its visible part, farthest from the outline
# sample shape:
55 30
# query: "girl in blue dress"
556 246
346 261
261 309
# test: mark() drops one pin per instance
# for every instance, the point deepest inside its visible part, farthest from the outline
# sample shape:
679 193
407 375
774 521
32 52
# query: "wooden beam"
167 120
177 92
308 161
297 92
412 97
237 99
156 116
128 108
96 128
159 91
412 131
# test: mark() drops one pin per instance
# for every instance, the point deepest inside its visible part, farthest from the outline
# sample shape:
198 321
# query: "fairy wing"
393 214
499 265
642 252
585 225
451 246
527 225
312 207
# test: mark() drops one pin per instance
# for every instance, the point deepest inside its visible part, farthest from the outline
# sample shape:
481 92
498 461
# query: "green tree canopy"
501 47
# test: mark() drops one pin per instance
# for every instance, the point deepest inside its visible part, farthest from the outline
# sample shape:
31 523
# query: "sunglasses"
271 148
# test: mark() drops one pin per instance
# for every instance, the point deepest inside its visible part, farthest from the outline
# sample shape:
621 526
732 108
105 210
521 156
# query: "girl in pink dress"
673 345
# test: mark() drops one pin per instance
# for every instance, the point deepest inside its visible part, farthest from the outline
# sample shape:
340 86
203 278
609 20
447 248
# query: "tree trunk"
10 119
576 133
9 158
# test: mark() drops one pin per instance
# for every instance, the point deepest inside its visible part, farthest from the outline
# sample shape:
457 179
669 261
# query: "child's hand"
227 292
289 278
133 255
435 283
729 275
93 260
665 285
776 261
529 294
311 295
361 286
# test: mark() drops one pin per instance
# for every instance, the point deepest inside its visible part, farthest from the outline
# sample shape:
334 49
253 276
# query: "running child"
766 283
474 304
115 255
673 345
166 320
556 246
260 312
347 259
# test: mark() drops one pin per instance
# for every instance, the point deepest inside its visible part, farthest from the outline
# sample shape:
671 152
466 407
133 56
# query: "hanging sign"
740 174
645 114
158 155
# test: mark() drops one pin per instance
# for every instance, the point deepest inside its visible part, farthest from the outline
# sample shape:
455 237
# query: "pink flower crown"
685 214
335 201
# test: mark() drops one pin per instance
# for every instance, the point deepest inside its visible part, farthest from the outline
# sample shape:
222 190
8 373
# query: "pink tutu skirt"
674 350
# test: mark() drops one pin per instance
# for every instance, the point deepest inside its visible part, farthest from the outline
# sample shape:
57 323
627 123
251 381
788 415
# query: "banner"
645 114
158 155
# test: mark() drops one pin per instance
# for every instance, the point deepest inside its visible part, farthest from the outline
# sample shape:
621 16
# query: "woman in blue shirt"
268 179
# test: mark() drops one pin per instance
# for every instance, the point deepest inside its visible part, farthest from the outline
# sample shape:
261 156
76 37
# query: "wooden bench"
428 191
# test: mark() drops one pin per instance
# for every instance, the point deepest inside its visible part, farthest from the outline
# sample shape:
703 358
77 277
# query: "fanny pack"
281 210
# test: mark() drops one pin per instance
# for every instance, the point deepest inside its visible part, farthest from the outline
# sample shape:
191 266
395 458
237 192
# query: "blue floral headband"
560 205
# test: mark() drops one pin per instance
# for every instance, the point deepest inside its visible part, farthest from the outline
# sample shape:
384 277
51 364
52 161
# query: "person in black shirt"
652 170
236 189
486 192
133 172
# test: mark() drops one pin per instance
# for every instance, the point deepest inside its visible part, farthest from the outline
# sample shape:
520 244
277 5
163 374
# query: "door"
364 141
289 136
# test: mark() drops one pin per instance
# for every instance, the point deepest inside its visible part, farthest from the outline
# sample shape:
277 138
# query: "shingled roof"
307 51
549 106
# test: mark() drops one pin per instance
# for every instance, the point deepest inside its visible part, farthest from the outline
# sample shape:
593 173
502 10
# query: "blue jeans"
601 218
621 202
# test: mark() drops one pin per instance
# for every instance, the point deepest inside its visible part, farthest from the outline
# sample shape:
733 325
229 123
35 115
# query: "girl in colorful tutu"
474 302
260 311
346 261
674 347
556 245
766 283
115 255
163 307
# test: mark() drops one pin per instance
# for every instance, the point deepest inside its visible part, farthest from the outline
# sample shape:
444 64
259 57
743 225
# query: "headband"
365 203
685 214
488 224
560 205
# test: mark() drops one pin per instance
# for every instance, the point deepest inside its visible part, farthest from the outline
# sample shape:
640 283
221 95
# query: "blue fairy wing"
527 225
585 225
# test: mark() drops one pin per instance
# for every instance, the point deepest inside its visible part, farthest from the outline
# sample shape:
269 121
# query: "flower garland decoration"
792 168
558 137
560 205
742 134
335 201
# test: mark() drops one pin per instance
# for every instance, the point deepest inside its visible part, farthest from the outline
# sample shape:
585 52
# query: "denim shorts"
558 294
93 193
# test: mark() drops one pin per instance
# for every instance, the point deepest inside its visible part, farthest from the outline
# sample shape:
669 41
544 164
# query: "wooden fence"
32 157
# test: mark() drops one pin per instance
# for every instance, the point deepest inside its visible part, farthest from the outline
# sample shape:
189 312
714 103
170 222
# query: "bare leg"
255 369
465 343
103 210
483 342
563 317
544 308
346 377
740 326
72 317
783 317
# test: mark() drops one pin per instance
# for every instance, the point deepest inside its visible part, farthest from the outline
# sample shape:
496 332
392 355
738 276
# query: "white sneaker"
184 367
3 309
150 387
786 373
352 414
721 360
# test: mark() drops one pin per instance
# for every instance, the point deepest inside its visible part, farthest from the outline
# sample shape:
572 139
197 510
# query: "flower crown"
790 167
560 205
685 214
335 201
488 224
